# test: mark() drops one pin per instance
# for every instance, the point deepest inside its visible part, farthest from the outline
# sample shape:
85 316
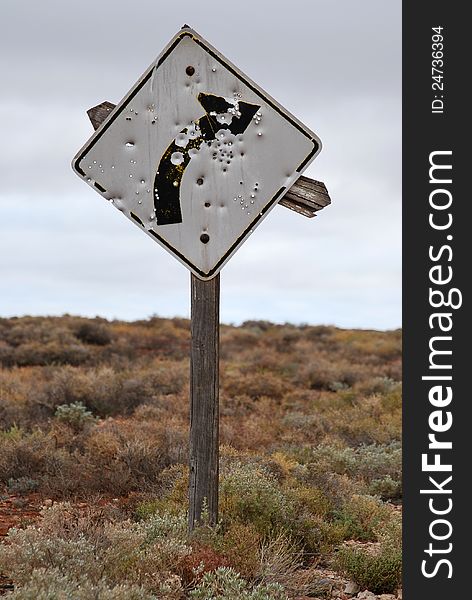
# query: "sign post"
204 396
196 155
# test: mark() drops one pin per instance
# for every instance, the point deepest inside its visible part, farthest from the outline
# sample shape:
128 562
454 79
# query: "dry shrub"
312 500
234 341
324 374
171 493
332 485
93 333
254 432
309 427
108 392
313 415
240 543
373 345
111 457
112 552
50 353
23 455
367 463
281 561
362 516
126 456
202 560
160 337
47 583
320 333
255 385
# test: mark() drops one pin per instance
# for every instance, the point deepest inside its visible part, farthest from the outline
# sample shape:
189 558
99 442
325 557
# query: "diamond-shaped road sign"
196 154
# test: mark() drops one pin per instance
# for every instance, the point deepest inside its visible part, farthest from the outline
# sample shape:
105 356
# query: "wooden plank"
306 196
99 113
204 399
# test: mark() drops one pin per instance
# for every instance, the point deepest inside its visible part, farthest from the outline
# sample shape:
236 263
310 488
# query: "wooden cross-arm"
306 196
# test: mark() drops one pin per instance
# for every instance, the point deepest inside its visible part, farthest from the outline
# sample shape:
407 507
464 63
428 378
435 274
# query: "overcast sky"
335 64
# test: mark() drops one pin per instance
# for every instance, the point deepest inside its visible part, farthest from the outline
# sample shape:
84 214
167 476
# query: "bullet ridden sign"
196 154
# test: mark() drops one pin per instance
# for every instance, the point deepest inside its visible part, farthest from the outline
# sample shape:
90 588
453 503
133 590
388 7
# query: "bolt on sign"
196 154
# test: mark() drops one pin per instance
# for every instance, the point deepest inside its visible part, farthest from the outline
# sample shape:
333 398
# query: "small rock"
351 588
47 503
400 594
366 595
387 597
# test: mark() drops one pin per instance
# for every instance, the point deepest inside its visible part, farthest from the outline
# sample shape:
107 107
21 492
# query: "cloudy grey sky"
335 64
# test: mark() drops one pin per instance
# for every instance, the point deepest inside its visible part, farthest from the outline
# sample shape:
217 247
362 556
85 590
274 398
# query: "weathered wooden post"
196 155
204 399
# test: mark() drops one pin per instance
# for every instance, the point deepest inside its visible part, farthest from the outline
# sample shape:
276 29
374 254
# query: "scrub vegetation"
94 419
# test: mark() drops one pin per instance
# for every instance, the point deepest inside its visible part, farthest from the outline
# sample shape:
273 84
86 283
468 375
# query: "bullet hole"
200 181
207 205
204 238
190 70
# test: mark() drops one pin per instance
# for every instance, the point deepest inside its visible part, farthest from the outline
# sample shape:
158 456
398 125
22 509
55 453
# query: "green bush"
75 544
22 485
379 571
249 494
386 488
377 467
226 584
76 415
51 584
361 517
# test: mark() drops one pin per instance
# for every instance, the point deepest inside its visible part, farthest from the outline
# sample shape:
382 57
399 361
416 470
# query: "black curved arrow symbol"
169 175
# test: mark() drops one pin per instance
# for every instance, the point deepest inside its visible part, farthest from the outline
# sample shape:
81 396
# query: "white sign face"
196 154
